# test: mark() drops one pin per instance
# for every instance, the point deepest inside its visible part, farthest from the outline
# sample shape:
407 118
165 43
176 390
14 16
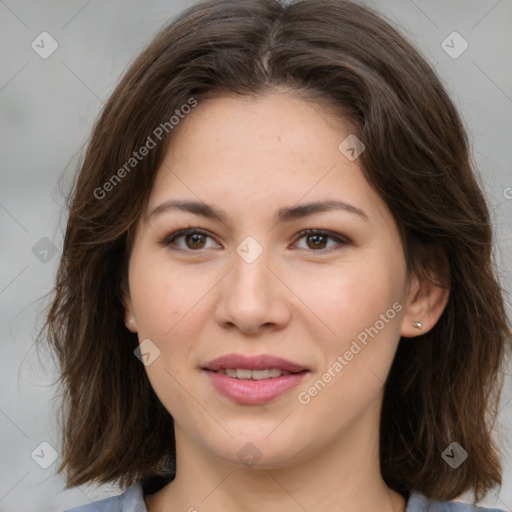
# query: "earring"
131 322
416 324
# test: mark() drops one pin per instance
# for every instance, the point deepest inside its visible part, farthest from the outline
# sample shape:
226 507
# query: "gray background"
47 109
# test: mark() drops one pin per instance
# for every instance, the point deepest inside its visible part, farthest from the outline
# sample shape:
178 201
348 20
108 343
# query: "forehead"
275 122
273 148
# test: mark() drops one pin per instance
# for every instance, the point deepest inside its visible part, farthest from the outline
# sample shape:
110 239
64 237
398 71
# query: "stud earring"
416 324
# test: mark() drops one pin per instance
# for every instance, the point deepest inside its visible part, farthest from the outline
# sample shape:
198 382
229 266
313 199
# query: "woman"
277 288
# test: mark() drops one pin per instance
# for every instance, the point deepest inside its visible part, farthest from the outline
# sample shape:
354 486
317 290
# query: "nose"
252 298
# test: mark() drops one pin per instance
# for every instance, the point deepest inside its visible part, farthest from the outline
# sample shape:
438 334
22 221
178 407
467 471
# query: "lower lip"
253 392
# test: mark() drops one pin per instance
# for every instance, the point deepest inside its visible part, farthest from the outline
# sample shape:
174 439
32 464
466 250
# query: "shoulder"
131 500
419 503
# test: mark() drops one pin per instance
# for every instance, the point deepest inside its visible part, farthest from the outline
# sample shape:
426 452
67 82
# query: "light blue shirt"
132 500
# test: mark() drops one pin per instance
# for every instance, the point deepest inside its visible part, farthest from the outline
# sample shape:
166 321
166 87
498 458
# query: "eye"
189 239
317 239
194 239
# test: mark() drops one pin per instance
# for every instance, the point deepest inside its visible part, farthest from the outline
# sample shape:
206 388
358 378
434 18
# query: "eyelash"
171 239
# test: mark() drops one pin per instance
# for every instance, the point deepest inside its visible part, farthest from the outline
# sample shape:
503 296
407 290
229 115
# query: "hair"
443 386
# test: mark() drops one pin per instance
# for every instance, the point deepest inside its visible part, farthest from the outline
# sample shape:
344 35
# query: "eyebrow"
283 215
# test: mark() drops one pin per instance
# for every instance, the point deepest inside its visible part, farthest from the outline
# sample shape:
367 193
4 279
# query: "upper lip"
258 362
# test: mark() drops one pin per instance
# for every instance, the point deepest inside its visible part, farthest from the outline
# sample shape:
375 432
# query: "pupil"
318 241
196 239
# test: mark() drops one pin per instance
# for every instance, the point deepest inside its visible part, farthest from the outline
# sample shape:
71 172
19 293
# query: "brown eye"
189 240
318 240
195 240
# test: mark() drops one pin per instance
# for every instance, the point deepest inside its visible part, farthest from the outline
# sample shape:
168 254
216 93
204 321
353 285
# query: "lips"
259 362
253 380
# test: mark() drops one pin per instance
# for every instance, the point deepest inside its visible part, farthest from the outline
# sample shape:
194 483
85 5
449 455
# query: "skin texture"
251 157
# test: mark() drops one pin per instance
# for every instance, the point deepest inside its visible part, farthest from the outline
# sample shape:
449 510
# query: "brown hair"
443 386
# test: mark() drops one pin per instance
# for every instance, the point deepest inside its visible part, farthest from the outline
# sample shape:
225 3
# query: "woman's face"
223 311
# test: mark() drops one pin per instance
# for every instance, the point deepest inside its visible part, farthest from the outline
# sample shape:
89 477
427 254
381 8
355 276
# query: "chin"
259 452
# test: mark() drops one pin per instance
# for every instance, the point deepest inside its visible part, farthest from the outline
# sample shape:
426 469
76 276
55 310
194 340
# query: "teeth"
260 374
245 374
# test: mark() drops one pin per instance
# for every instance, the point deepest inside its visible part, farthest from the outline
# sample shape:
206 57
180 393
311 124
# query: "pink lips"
253 392
259 362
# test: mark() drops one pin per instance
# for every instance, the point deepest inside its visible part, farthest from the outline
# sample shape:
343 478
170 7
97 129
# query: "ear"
427 297
129 317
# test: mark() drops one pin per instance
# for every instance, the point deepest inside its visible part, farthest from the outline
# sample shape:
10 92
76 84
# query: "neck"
344 476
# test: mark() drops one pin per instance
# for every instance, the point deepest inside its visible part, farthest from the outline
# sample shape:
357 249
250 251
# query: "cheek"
361 305
162 296
165 304
352 297
362 308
